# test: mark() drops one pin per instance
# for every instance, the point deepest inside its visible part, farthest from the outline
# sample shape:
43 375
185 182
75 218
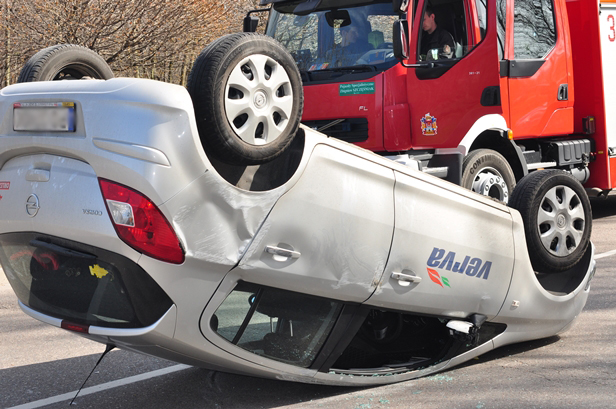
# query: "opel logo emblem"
32 205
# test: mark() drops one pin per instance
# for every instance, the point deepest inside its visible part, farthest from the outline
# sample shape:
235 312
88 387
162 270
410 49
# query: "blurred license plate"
44 116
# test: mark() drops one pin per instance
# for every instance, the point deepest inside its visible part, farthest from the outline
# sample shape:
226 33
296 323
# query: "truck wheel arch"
490 132
493 139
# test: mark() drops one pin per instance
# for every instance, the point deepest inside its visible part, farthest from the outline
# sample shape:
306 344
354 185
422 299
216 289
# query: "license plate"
44 117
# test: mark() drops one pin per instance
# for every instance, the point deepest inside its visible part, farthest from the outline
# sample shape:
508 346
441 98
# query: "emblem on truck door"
429 125
32 205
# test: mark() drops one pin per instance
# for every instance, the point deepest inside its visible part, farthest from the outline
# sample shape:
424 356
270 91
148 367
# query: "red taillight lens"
84 329
140 224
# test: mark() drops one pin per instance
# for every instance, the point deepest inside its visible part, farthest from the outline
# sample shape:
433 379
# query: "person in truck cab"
435 38
354 40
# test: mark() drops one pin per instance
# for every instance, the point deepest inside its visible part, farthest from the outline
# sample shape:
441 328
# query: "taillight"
140 224
84 329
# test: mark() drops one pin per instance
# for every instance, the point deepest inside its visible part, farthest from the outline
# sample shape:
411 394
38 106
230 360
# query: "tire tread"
34 67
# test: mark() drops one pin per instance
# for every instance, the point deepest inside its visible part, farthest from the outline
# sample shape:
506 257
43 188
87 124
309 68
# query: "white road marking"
606 254
102 387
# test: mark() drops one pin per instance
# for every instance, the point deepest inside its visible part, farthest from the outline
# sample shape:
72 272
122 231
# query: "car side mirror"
250 24
401 39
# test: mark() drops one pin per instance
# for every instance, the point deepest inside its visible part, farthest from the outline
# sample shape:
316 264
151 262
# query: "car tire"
557 219
63 62
488 173
248 98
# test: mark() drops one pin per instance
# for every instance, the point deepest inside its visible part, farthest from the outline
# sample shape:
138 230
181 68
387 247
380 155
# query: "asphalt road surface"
41 366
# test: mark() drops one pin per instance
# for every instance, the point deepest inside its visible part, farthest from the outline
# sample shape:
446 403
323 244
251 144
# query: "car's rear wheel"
487 172
64 62
248 98
557 219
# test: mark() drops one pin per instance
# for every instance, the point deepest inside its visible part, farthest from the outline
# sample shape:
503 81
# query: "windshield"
338 37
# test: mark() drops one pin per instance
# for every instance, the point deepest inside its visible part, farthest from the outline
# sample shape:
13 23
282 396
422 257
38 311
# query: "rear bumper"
79 284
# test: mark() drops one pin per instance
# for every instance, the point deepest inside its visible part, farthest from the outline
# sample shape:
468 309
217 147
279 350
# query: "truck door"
608 57
451 90
537 66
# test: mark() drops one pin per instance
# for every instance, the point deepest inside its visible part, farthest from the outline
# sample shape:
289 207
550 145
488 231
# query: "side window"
501 15
534 28
282 325
443 32
482 17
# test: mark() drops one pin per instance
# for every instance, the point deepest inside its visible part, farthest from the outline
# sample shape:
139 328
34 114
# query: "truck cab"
495 102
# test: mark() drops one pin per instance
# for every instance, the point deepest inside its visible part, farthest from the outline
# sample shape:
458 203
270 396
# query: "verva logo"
5 185
436 278
469 266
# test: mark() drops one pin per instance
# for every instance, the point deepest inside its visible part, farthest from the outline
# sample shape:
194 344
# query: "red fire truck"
520 85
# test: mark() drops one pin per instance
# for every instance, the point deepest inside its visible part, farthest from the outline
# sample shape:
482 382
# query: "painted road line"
102 387
606 254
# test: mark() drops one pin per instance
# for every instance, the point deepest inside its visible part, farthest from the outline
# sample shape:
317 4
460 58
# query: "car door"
330 234
452 253
541 62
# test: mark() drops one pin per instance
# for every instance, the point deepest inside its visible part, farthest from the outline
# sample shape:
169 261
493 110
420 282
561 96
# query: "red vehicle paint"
526 87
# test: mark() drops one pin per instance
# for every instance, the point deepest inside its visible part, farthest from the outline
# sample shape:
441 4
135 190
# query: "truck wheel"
64 62
248 98
557 219
486 172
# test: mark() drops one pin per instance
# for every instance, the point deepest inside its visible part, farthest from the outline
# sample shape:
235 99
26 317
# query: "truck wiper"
334 72
352 68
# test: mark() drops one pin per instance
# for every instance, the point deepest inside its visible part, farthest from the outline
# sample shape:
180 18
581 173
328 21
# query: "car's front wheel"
557 219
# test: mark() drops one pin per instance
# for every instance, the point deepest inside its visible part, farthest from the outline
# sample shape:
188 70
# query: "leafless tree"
156 39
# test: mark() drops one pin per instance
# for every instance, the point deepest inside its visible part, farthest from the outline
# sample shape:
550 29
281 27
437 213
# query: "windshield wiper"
352 68
342 70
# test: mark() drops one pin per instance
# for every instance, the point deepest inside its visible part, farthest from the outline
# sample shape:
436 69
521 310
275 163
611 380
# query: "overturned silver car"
123 221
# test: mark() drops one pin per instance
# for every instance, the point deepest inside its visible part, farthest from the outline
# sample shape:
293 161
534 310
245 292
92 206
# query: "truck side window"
442 34
482 17
501 15
534 28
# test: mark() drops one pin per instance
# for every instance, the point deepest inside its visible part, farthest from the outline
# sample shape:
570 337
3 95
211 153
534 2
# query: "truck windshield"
332 38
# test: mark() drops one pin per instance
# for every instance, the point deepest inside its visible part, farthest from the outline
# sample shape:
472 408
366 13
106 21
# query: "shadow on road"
603 207
189 388
509 350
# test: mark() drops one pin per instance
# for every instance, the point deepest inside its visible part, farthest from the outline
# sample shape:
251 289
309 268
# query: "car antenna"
108 349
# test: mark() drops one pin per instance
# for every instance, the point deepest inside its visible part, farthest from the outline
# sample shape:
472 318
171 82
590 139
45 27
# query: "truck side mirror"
401 39
250 24
400 6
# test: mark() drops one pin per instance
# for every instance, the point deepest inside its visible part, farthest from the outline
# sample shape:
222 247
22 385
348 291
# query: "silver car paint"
342 210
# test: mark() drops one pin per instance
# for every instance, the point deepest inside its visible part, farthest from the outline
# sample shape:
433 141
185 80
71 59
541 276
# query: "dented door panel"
331 233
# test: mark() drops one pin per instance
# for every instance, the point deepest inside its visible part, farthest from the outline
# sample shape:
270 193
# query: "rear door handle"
406 279
279 251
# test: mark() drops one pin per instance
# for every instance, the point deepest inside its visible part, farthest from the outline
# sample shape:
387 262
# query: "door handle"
406 279
279 251
563 92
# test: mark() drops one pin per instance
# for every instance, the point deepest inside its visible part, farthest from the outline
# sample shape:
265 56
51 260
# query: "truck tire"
487 172
557 219
248 98
63 62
